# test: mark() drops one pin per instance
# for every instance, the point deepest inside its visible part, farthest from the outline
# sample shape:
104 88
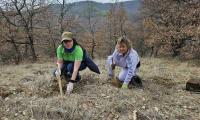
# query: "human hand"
124 86
58 72
70 87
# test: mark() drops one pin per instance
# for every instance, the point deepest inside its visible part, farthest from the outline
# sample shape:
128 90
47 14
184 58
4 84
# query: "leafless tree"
116 19
65 6
172 26
91 15
21 13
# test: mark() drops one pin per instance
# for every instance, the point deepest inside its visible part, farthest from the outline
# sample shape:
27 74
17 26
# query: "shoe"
136 81
68 75
78 78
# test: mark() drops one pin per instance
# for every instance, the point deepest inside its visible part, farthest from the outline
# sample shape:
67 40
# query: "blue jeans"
67 70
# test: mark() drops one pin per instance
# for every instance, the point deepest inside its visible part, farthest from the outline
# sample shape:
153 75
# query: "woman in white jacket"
127 58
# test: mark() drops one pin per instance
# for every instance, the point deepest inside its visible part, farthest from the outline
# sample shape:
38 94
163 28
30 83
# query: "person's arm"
76 68
111 63
59 63
77 63
59 60
70 85
131 72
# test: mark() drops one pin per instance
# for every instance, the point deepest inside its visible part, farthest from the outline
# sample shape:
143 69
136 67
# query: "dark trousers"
67 70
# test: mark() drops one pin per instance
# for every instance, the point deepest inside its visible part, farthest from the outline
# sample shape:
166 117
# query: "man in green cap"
69 60
72 58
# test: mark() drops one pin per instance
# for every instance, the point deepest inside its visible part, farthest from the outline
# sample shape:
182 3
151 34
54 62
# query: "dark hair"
75 42
84 50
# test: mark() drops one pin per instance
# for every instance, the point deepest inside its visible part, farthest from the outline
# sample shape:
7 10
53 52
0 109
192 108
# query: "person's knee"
122 75
121 78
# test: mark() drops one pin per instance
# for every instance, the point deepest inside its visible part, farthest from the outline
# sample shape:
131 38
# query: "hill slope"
79 7
29 92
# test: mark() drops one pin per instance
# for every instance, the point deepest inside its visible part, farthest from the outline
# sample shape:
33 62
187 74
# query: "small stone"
184 107
24 113
156 109
4 118
116 116
103 95
135 115
16 114
107 97
8 110
143 107
7 98
85 106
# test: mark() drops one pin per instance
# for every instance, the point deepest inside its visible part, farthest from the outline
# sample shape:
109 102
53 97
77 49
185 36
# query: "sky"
102 1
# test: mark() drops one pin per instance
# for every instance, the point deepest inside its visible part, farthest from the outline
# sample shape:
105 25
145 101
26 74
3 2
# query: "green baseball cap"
67 36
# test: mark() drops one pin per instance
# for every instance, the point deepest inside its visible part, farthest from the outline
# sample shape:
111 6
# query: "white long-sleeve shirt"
128 61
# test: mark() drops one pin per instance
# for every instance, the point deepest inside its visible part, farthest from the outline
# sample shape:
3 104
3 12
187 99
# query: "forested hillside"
156 28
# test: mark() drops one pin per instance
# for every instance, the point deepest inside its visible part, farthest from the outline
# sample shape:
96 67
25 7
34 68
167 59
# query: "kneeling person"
128 59
69 60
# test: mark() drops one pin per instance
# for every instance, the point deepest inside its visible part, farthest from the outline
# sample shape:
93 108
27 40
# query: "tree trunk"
34 57
93 46
18 56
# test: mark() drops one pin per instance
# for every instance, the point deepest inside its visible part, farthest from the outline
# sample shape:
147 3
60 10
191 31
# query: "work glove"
70 87
58 72
124 86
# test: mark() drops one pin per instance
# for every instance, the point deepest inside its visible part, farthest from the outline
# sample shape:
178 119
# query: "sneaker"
136 81
68 75
78 78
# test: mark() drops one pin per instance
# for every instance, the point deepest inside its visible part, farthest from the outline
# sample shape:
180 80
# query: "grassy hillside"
29 92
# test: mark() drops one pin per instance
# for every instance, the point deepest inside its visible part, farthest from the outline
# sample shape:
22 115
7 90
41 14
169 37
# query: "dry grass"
29 92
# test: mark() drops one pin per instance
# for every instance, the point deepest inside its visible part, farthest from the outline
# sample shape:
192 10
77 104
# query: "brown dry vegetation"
29 92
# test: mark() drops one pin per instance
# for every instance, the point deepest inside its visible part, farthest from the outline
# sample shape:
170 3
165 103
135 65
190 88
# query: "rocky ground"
28 91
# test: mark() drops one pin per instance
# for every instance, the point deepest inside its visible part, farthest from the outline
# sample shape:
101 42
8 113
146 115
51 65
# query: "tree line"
172 27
